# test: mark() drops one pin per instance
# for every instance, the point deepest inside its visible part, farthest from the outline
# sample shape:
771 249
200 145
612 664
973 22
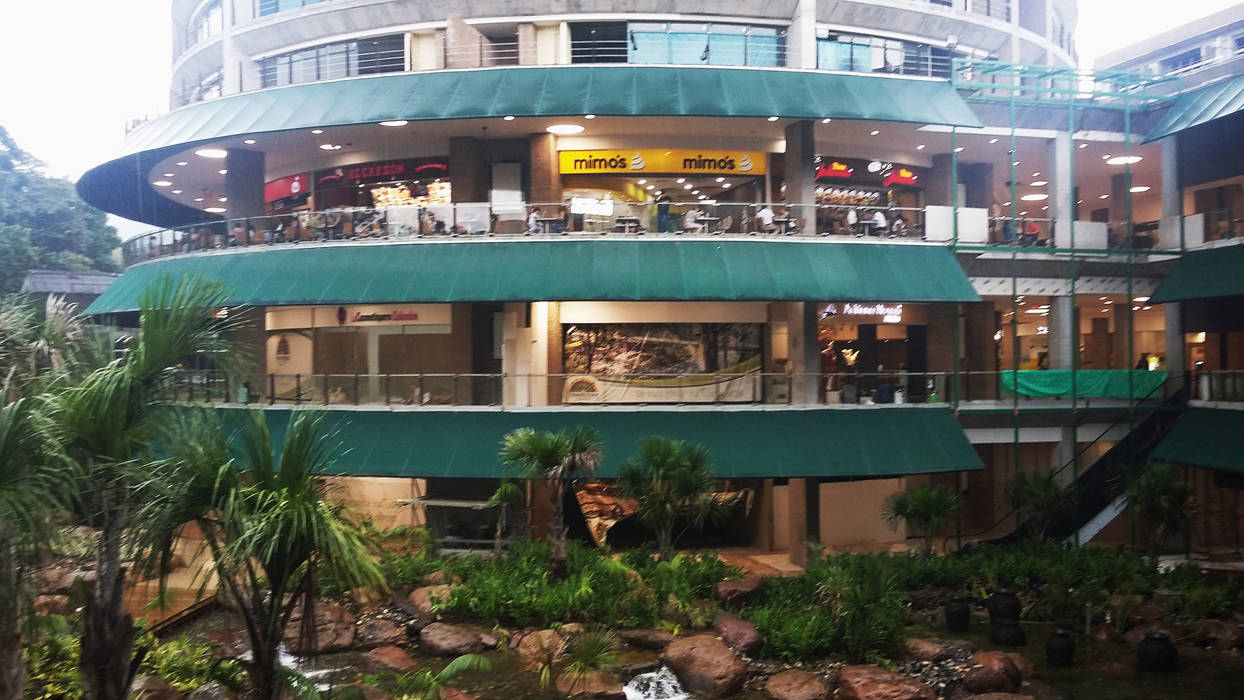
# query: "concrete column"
978 350
1060 188
465 47
800 186
804 512
373 361
805 354
937 192
1176 362
230 63
244 183
527 54
977 179
546 180
1120 358
1118 202
1172 197
466 162
1064 453
555 348
1062 331
801 36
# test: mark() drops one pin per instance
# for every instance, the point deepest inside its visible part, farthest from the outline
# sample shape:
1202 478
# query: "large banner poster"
662 363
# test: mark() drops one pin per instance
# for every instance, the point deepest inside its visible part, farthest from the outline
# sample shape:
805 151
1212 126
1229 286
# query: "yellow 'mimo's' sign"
656 160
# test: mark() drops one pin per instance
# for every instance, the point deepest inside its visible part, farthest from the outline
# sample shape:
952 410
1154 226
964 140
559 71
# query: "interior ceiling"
298 151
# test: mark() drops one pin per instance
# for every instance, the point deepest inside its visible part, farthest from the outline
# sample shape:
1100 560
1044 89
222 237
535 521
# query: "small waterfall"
660 684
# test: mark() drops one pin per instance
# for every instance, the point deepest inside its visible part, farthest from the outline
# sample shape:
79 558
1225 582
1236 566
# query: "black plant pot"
958 614
1156 652
1060 648
1003 604
1007 633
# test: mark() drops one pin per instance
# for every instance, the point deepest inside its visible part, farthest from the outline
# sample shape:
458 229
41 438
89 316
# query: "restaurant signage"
866 172
890 313
383 171
292 186
657 160
833 169
899 176
346 316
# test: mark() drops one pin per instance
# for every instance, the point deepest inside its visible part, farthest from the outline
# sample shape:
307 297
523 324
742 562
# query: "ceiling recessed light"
317 131
211 153
959 149
1102 298
642 182
222 171
687 186
1034 197
1140 299
681 180
1015 163
222 199
394 122
920 147
182 163
1084 145
1023 213
1104 196
176 191
726 186
1036 174
1140 188
1079 201
328 147
1104 311
1135 308
874 132
249 142
695 192
826 120
1006 204
1124 160
508 117
162 183
721 179
169 175
564 129
589 116
993 140
1039 183
773 119
198 199
215 210
703 196
649 187
1107 157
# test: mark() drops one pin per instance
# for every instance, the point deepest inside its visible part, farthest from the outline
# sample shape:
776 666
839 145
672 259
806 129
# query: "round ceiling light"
249 142
1124 160
565 129
215 210
1140 188
162 183
211 153
1034 197
394 122
1039 183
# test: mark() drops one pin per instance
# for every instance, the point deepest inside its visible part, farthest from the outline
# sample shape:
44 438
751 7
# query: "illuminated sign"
899 176
834 169
889 313
652 160
291 186
382 171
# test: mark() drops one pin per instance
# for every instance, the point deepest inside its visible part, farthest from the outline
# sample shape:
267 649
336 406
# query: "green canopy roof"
1197 107
1204 274
778 442
1205 437
642 269
121 186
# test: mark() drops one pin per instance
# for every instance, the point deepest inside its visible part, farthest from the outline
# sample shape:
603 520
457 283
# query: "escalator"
1098 488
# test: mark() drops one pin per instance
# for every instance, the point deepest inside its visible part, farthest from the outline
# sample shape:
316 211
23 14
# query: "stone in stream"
797 685
987 679
422 597
591 685
540 646
152 688
378 632
875 683
740 634
919 649
1005 663
656 640
332 625
388 658
212 691
444 639
705 666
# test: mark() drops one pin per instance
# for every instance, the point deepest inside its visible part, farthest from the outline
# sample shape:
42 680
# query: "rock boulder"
737 592
591 685
920 649
332 630
739 634
876 683
388 658
152 688
378 632
422 597
444 639
797 685
705 666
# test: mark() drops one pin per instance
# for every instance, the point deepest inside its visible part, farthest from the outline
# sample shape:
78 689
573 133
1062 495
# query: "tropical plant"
924 509
426 684
558 459
1037 499
867 605
40 347
507 492
265 517
594 649
107 423
1160 501
672 480
33 487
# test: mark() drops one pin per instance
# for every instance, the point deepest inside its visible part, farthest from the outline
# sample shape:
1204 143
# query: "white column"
801 36
1172 197
1060 188
1062 331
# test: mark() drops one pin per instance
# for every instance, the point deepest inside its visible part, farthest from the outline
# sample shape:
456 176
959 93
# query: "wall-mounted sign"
656 160
833 169
292 186
899 176
383 171
889 313
350 316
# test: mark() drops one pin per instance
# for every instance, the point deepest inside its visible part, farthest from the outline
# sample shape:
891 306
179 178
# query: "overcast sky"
73 72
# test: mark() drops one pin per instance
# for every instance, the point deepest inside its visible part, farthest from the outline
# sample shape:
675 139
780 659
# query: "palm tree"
266 519
558 459
1161 501
671 479
38 349
1037 498
106 423
33 486
426 685
925 509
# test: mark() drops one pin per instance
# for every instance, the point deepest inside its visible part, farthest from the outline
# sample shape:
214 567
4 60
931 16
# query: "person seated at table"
899 227
690 223
853 222
533 220
879 222
764 219
1031 232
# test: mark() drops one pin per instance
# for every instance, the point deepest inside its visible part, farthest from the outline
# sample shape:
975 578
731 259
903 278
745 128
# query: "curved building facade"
850 245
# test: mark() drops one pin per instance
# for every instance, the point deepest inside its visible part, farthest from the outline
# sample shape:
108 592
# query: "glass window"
303 67
765 46
1180 61
680 43
335 61
689 44
727 45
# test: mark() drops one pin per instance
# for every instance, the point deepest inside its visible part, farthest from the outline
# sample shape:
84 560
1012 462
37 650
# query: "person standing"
764 219
665 223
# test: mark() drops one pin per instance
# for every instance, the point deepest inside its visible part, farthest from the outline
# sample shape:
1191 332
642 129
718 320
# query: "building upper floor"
1199 52
223 47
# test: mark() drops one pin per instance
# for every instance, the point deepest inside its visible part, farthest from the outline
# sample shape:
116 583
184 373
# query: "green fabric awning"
778 442
1204 274
1199 106
1205 437
1090 383
645 269
122 186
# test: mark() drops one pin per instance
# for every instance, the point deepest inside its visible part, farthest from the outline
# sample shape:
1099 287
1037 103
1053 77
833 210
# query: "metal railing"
263 8
1218 385
481 219
414 390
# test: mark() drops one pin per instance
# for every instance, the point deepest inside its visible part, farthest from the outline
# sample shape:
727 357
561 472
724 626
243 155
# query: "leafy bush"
792 629
189 665
403 569
52 668
867 605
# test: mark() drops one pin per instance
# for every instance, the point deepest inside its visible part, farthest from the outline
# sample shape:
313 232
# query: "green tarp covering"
1205 437
779 442
122 186
1199 106
1204 274
646 269
1089 383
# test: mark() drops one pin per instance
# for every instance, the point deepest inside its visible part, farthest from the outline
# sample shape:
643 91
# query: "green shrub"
189 665
793 628
52 668
867 604
405 569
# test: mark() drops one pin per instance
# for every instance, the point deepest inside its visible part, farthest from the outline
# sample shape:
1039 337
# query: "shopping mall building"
850 245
